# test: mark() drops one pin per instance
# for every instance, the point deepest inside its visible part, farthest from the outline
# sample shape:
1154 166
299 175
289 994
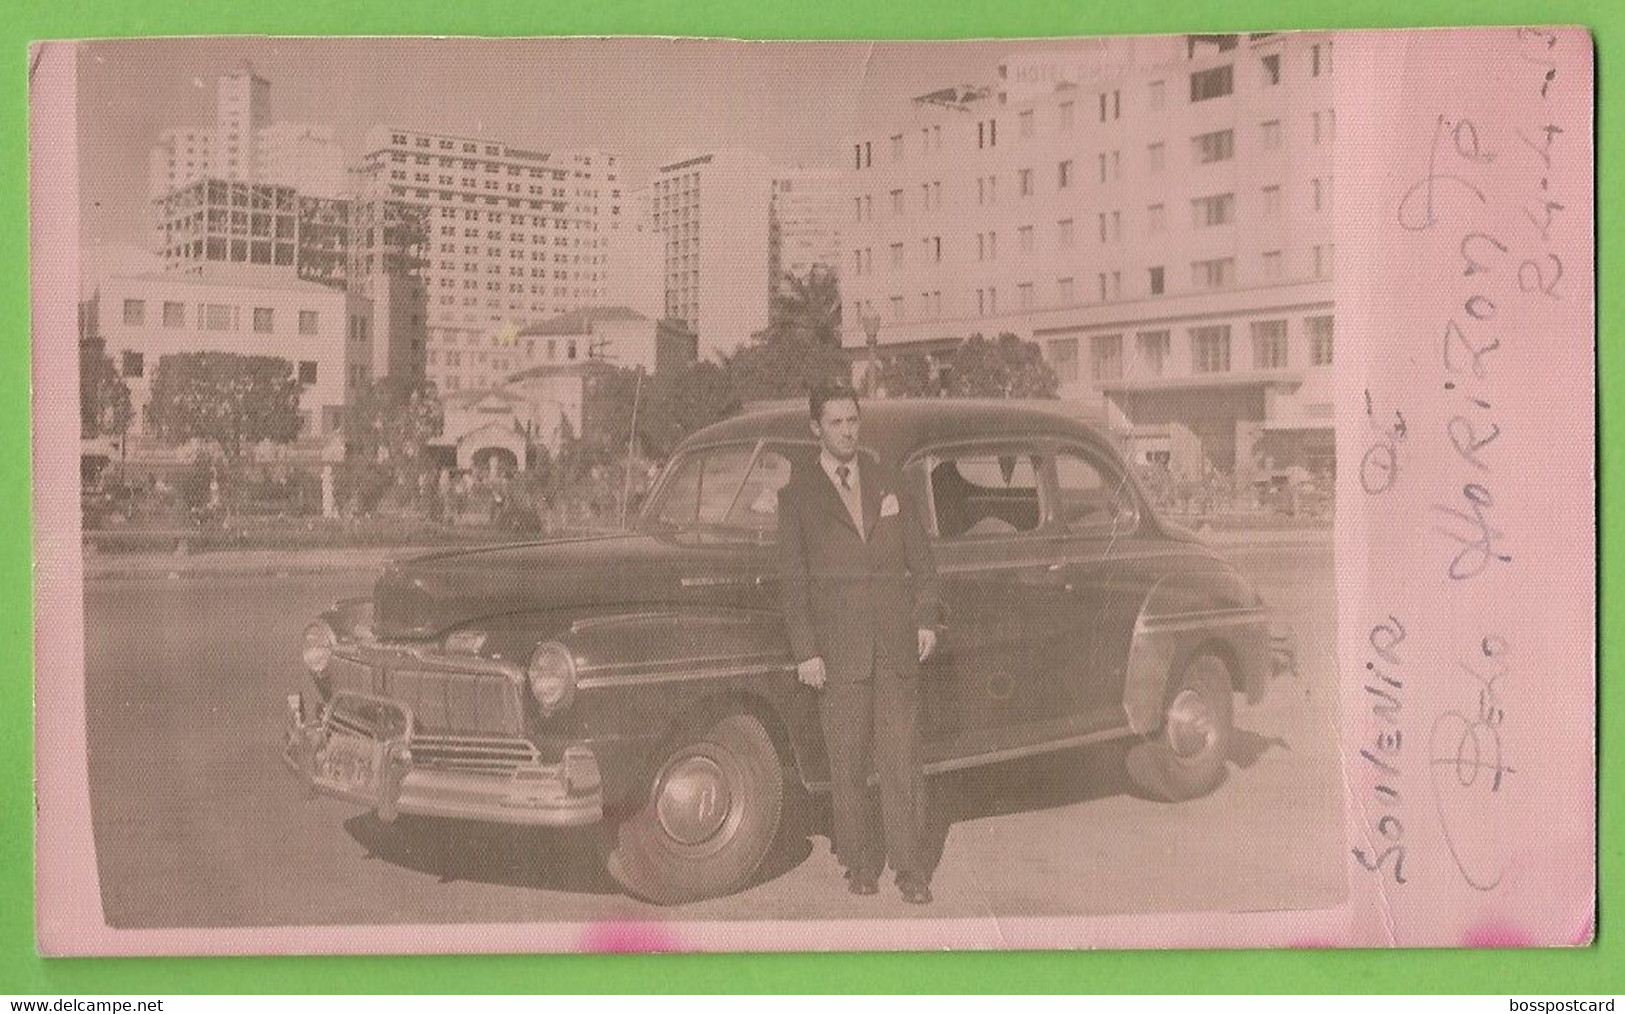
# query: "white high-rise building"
245 145
514 236
806 217
1156 214
712 213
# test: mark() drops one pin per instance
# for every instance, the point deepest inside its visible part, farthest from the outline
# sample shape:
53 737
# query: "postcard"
641 494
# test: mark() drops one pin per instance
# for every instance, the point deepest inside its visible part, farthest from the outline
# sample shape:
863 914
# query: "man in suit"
861 601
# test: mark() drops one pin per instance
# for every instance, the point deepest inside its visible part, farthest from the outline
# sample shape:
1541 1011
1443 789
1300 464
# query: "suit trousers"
874 725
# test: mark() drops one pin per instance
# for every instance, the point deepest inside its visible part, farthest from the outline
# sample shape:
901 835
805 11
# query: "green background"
1590 970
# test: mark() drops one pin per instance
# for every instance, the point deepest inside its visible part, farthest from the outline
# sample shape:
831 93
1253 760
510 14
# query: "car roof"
893 428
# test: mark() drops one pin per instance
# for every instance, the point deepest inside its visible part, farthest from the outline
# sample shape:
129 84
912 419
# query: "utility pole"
631 444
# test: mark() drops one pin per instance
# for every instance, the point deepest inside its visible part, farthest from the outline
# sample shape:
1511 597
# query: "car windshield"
730 491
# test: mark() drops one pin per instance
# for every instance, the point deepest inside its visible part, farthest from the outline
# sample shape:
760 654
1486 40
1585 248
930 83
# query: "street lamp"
871 330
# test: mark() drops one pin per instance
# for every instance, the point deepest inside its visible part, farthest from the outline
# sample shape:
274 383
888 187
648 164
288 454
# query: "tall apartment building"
244 144
711 211
513 237
1155 213
805 222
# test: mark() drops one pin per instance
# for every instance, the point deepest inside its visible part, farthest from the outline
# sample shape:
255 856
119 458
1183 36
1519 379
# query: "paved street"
198 824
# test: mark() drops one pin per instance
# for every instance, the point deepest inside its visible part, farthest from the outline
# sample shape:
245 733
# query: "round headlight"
552 675
318 648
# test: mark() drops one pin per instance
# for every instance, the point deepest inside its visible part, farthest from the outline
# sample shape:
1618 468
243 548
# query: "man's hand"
811 672
927 642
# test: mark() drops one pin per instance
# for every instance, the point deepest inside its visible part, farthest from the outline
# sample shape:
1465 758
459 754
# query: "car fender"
1184 614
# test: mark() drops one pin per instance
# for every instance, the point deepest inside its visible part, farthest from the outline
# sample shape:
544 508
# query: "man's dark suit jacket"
851 600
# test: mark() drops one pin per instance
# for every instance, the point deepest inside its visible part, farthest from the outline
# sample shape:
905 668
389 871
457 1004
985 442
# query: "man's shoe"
862 882
915 892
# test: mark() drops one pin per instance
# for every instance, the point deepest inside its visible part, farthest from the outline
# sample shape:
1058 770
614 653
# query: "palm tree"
809 303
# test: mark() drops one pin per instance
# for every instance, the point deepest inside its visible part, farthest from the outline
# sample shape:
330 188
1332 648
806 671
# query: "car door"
1003 601
1094 524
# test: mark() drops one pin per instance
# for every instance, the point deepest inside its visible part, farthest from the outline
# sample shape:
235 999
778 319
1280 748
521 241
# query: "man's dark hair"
827 391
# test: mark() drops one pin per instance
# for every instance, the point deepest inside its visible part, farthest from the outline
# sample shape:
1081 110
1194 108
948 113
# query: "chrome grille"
458 702
474 754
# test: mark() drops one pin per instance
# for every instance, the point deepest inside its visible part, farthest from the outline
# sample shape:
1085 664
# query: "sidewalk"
369 560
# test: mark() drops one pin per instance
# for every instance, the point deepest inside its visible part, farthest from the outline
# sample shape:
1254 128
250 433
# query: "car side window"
756 507
977 493
1091 495
703 486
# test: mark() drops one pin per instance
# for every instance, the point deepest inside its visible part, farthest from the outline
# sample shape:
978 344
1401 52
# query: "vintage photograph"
636 482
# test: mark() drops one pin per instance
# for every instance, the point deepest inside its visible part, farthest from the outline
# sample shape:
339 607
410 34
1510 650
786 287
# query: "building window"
1273 267
1067 113
1156 219
1325 257
897 312
1025 122
1066 291
1217 209
132 364
1157 282
1269 345
1024 296
1156 156
307 371
1024 236
307 321
1111 105
896 256
1219 273
174 314
1152 347
1320 59
1213 83
1111 166
1272 200
1320 340
135 312
1156 95
1216 146
897 202
897 147
1210 349
1025 178
1063 359
1269 135
216 317
1271 67
1322 187
1106 357
1063 175
262 320
1066 235
1325 126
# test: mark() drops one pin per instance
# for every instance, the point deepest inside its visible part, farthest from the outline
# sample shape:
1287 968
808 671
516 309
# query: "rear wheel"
1188 756
709 819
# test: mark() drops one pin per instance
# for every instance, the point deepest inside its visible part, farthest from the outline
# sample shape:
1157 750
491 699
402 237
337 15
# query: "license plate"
351 765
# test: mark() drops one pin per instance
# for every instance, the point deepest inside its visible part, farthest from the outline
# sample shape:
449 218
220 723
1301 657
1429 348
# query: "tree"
104 398
231 400
681 401
1005 368
387 432
976 368
810 303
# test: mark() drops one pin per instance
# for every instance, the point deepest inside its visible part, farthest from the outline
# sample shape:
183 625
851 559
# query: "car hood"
429 595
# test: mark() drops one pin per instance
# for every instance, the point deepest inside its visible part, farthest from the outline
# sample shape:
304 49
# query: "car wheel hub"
1191 728
693 801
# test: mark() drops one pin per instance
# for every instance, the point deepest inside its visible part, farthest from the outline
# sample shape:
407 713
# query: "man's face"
837 428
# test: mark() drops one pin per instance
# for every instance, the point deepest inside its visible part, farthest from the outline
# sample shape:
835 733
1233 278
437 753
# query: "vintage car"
643 681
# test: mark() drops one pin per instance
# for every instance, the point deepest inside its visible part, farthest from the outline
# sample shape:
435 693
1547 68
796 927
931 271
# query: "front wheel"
710 817
1188 756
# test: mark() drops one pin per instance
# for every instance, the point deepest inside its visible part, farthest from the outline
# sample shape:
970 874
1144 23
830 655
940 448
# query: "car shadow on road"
549 859
542 859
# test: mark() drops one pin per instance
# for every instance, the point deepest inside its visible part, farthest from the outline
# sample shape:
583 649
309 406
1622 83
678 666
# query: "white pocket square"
888 506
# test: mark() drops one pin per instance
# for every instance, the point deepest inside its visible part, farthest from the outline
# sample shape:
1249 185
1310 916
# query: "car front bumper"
392 771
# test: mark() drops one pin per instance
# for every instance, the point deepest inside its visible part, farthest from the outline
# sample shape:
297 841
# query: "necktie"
845 472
